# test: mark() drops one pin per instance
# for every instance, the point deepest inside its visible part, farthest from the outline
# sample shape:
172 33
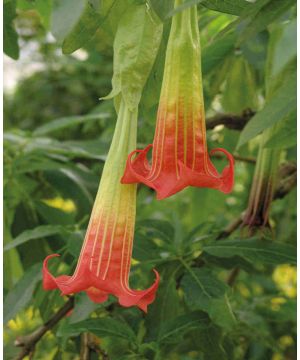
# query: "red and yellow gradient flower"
104 263
179 154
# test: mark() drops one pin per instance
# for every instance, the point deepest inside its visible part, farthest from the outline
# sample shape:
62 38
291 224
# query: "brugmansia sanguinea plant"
179 153
104 263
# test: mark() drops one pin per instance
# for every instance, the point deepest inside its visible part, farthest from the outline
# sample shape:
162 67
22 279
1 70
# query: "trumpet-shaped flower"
179 152
104 263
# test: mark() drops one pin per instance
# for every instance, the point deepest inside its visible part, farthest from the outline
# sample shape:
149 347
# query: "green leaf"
101 327
43 7
265 16
162 8
12 265
94 149
233 7
157 228
201 287
228 263
36 233
154 240
84 307
135 47
79 181
279 105
174 329
31 162
65 14
21 294
285 135
52 215
67 122
220 311
10 36
284 47
83 31
209 342
144 249
284 312
215 53
203 291
166 304
240 91
265 251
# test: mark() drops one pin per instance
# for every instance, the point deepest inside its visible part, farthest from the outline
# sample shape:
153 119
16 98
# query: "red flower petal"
167 183
98 289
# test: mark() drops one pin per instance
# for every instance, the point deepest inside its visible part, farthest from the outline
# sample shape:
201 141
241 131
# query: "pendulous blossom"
179 151
104 263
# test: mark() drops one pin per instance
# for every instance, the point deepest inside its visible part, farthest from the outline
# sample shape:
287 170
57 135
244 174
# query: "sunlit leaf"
132 64
65 14
83 31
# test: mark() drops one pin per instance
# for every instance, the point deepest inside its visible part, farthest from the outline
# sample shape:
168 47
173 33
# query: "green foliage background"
57 135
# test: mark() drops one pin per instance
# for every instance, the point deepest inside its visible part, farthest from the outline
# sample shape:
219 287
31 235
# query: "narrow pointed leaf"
174 329
101 327
134 53
204 291
279 106
265 251
83 31
67 122
36 233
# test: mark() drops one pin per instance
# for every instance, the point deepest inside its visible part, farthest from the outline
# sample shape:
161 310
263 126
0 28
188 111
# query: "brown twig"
91 344
84 347
231 121
250 160
232 276
288 175
231 227
28 342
